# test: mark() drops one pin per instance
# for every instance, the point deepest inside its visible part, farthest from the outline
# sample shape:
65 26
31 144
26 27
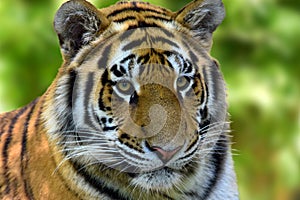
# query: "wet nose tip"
164 155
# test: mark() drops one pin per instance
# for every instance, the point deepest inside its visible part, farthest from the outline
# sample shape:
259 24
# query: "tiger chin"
137 110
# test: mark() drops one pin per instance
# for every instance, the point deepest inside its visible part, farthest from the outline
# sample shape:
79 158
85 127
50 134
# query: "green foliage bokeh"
257 45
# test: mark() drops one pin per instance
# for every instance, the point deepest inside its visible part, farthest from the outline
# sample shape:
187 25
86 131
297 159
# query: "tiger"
137 110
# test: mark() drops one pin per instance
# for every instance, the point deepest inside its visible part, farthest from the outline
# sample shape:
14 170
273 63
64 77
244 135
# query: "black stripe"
115 71
204 112
192 195
162 61
205 117
192 153
66 184
71 83
206 80
37 120
100 103
131 31
193 57
167 33
192 45
122 69
187 66
207 92
192 144
3 122
158 18
195 85
24 162
6 146
133 44
142 24
105 79
202 98
108 128
165 40
218 160
134 9
143 59
125 19
36 124
172 53
87 95
167 197
146 24
25 130
106 82
134 4
102 63
217 79
131 56
98 184
125 36
169 64
204 124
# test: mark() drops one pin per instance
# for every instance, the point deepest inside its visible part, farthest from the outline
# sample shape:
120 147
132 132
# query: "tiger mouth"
160 179
153 171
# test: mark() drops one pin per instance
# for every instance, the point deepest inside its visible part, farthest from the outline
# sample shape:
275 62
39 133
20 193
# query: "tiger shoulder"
137 110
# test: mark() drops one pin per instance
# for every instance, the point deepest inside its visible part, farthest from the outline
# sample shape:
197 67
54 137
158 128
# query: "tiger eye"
125 87
182 83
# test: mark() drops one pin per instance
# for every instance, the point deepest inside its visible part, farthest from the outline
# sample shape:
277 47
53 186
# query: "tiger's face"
147 99
145 112
154 105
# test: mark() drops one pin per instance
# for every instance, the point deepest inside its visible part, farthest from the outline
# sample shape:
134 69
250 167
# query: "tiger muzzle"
157 112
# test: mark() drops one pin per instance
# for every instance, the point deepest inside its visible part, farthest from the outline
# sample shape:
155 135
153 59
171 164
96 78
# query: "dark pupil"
124 85
180 81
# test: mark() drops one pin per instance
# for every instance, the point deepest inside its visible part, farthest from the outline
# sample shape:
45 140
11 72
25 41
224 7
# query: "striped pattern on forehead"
149 37
138 14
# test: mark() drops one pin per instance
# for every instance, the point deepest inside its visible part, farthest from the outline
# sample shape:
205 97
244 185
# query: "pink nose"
164 155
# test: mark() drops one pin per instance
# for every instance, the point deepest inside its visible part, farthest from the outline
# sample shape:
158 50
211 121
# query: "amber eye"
182 83
125 87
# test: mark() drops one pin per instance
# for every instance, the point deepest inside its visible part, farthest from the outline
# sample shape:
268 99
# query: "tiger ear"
202 17
77 23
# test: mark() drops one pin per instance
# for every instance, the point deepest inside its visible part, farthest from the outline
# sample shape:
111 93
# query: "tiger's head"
138 95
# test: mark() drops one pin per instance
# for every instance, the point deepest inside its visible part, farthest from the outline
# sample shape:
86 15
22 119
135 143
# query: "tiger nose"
164 155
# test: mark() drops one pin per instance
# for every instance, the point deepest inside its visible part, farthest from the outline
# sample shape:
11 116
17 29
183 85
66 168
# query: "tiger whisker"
213 125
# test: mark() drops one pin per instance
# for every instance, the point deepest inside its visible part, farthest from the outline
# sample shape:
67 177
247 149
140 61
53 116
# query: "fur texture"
137 110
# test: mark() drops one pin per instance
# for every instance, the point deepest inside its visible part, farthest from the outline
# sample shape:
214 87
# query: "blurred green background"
258 46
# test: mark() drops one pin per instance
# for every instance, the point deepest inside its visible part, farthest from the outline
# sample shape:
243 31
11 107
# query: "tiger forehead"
152 66
152 56
152 59
147 62
135 10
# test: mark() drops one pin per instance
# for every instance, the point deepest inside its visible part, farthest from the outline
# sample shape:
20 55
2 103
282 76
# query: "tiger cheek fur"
137 110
